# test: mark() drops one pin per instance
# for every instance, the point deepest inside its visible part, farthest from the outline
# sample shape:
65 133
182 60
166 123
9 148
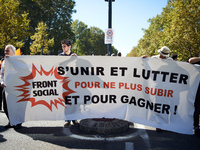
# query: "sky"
129 17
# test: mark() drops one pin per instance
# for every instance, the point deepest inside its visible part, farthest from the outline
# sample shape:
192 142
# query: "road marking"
139 126
144 135
129 146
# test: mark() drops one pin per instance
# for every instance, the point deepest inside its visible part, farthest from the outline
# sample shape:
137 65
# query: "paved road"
50 135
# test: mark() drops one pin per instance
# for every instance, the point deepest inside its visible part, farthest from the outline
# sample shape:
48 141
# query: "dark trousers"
197 108
1 96
5 104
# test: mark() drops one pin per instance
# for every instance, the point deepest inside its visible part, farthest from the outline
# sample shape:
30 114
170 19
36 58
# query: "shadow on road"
2 139
55 135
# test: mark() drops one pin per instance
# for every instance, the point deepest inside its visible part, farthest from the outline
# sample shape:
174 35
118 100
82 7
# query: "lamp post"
109 21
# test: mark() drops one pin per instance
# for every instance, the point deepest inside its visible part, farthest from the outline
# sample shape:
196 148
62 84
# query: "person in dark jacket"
66 47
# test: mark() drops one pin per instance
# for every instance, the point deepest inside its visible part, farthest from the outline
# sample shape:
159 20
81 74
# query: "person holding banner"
174 56
66 47
163 54
9 51
196 60
1 89
119 54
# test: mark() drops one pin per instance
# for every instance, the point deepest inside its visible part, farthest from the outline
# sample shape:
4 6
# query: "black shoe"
8 126
75 123
197 132
158 130
18 126
66 125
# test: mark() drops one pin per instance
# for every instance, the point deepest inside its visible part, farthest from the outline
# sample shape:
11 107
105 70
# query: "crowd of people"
163 53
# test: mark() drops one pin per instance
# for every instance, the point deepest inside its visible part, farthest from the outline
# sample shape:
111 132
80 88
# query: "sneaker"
158 129
66 125
75 122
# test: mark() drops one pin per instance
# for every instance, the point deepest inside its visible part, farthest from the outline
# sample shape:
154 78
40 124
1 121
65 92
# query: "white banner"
150 91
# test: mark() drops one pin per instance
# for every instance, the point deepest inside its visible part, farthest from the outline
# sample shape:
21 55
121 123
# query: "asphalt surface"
50 135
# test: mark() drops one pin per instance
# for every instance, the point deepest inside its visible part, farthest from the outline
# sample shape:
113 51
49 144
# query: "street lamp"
109 21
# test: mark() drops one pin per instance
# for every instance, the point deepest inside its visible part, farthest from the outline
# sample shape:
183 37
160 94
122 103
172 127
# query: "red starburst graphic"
25 96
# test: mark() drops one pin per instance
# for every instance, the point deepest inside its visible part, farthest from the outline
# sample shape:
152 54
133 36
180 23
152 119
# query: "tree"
114 50
134 52
13 27
183 34
41 43
97 41
176 27
88 41
55 13
81 33
152 39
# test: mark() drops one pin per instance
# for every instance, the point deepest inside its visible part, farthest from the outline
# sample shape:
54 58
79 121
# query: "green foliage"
55 14
97 41
26 24
134 52
88 41
41 43
82 45
114 50
13 27
184 29
177 27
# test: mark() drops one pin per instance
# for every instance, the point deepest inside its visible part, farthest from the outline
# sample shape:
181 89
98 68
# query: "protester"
66 47
9 51
1 89
174 56
196 60
163 54
119 54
